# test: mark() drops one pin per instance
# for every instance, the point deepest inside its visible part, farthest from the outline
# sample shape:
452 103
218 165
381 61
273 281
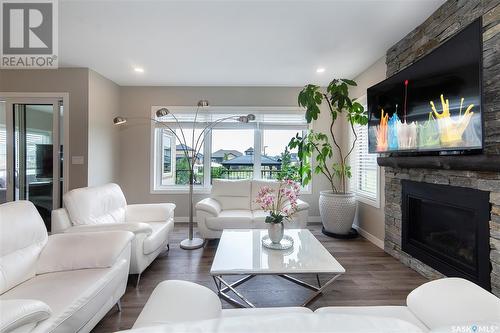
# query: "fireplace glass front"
447 228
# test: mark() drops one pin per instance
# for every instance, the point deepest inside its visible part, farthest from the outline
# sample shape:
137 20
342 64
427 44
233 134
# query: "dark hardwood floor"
372 278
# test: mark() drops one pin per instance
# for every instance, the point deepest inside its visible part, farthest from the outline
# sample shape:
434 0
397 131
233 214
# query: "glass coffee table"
240 252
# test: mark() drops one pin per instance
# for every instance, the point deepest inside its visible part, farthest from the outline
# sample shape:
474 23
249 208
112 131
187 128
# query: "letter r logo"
27 28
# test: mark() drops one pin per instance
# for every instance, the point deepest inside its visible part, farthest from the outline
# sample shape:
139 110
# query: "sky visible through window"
275 141
232 139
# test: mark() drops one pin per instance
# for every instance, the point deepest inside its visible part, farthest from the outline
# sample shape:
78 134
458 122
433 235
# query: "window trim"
374 202
207 153
164 134
361 195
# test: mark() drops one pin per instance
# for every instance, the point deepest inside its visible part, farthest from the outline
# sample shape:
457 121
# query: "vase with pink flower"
281 204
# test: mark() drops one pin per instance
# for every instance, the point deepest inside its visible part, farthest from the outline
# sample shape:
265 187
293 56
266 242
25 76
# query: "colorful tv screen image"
433 105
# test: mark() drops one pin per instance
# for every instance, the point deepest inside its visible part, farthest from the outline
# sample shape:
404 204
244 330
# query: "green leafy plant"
318 145
218 172
288 170
182 172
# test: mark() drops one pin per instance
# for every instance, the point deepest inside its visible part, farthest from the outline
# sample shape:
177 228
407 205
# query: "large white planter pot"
337 212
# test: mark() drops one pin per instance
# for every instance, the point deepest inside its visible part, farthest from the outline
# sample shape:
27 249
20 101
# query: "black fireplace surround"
447 228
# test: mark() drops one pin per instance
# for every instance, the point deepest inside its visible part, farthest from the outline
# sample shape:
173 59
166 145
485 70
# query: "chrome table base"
224 288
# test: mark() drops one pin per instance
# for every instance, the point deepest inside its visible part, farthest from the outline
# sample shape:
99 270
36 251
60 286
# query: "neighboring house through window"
229 149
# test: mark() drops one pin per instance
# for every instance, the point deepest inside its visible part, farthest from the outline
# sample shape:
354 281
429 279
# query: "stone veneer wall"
486 181
442 24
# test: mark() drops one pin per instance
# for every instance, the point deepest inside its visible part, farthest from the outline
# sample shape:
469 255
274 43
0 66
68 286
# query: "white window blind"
365 168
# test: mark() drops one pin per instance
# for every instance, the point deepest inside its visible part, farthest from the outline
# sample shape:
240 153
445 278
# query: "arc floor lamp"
191 242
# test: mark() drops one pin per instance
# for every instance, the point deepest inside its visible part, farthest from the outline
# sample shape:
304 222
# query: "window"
172 163
365 175
168 140
232 154
229 150
33 139
274 142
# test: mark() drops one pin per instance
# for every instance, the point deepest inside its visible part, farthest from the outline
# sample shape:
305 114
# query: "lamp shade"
162 112
119 120
203 103
243 119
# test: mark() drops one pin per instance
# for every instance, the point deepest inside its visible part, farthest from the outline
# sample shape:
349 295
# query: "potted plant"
281 204
337 206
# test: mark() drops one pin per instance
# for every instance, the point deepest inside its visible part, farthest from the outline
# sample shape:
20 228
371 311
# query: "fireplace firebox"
447 228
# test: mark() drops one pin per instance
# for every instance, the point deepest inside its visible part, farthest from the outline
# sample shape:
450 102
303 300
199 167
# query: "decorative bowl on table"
285 243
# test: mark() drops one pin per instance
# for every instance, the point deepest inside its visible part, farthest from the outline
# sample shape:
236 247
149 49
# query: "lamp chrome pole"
191 242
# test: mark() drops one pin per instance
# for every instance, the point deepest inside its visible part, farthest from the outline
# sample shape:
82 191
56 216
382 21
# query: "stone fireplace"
479 174
486 182
447 227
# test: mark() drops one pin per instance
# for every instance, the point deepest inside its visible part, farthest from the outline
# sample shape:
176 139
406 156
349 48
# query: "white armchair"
104 208
232 206
58 283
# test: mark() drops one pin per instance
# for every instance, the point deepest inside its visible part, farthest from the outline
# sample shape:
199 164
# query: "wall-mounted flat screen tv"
434 104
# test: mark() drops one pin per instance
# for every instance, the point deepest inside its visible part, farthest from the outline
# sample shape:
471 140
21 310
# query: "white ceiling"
243 43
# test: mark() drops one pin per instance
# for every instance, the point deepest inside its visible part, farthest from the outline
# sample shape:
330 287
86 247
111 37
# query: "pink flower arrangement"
281 203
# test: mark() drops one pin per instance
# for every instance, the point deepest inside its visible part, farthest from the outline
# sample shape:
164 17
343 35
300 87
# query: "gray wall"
370 218
40 118
103 136
135 139
95 100
70 80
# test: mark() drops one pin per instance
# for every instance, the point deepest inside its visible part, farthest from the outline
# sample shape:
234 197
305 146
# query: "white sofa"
446 305
232 206
102 208
58 283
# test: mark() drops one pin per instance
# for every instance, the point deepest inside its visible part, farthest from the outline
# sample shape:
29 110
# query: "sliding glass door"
3 153
33 155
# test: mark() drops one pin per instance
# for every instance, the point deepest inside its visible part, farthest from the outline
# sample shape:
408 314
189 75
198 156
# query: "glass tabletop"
240 251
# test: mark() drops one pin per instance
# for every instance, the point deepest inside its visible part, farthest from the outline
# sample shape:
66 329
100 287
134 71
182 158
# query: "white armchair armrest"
464 302
209 205
72 251
136 228
302 205
160 212
60 221
15 313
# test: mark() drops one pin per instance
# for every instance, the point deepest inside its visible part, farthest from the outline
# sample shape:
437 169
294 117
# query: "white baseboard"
377 242
314 219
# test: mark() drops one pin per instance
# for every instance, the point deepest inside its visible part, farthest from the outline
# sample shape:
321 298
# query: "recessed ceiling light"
138 69
320 70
